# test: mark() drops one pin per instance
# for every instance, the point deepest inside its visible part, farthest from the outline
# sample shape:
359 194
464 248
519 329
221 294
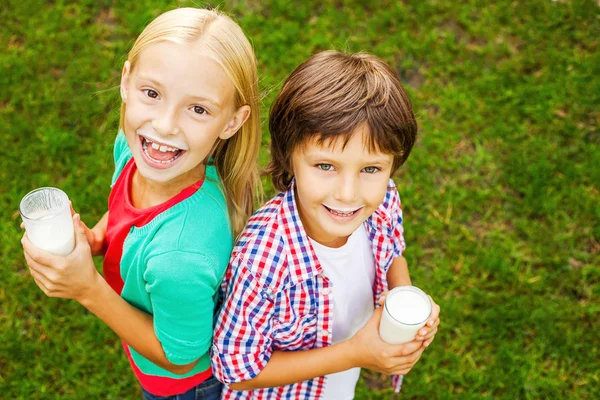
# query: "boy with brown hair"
299 315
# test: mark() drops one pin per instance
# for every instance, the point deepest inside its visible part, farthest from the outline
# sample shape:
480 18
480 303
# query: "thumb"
80 236
376 317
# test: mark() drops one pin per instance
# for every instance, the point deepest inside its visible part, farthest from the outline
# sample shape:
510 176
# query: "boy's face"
338 189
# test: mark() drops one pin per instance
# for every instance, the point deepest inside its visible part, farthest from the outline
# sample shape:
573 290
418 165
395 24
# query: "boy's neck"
146 193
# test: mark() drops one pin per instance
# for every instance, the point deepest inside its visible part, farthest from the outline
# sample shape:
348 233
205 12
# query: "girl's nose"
166 124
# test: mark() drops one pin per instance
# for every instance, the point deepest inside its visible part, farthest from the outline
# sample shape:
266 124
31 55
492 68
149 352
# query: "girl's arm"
75 277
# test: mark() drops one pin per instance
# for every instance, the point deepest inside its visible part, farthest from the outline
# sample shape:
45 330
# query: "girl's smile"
159 155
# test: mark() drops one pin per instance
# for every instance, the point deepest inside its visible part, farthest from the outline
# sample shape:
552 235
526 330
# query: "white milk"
406 310
53 233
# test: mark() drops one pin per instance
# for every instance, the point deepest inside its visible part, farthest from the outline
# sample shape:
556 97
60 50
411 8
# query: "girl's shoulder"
121 155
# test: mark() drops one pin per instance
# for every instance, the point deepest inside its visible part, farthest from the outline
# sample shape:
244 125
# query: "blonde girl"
184 185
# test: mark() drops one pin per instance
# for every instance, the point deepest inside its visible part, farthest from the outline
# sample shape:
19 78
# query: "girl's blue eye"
199 110
371 170
151 93
325 167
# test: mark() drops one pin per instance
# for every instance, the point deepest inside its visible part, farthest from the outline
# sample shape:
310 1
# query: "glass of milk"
405 311
47 218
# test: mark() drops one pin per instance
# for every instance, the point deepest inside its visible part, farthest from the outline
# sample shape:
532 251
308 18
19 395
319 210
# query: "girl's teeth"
158 147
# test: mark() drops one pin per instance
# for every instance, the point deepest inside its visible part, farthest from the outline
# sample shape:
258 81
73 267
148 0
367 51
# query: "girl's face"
179 102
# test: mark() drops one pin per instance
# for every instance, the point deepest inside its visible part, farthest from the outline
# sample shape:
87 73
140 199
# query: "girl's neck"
146 193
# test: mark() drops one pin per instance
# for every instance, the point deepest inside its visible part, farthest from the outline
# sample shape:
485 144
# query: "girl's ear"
125 80
236 122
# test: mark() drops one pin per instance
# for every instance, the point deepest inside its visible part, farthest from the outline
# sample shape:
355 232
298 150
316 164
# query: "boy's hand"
370 351
427 333
70 277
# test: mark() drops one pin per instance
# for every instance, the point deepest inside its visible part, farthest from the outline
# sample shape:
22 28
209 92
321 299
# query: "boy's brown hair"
329 96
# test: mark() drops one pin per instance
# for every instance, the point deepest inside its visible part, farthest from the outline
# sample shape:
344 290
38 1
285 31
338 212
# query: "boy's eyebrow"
316 155
158 84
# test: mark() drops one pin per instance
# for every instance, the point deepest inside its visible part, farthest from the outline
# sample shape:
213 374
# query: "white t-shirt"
351 272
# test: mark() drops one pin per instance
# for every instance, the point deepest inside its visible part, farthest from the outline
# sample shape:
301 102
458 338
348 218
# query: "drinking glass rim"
39 190
410 289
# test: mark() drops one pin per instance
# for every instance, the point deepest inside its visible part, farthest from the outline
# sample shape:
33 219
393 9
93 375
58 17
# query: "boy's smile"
338 187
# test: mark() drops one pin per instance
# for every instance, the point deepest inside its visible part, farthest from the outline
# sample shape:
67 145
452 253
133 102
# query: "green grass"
500 194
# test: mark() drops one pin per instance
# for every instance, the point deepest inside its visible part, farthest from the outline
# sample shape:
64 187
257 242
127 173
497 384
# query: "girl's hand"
94 238
427 333
370 351
70 277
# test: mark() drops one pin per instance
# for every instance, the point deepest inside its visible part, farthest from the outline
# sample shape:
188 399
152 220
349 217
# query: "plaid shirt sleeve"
242 343
397 228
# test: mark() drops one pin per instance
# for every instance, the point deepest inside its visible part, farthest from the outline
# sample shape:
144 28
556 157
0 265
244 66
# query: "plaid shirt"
276 296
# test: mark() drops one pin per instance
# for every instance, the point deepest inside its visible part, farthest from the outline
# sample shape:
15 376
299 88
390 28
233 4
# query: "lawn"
500 194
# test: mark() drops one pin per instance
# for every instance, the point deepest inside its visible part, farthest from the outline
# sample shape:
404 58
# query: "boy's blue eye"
199 110
151 93
325 167
371 170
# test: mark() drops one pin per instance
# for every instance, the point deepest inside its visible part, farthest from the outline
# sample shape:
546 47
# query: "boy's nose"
346 190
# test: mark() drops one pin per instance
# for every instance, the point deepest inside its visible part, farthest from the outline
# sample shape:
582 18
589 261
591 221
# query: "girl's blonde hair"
222 40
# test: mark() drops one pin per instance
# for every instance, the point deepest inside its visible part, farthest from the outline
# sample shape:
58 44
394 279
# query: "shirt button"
325 291
325 332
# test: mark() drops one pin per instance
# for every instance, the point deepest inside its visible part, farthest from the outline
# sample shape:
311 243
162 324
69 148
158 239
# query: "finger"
81 238
376 318
435 312
41 269
71 207
381 300
39 255
406 349
22 225
426 330
402 363
431 334
40 281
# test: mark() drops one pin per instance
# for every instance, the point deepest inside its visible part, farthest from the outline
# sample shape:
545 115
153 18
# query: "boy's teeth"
155 146
341 214
163 148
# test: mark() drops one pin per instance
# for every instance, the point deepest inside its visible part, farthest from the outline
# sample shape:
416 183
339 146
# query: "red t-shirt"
121 217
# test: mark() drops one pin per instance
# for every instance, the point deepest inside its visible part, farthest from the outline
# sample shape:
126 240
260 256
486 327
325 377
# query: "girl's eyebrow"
152 81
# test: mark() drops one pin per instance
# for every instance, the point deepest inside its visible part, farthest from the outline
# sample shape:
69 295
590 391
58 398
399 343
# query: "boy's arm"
397 274
243 354
365 349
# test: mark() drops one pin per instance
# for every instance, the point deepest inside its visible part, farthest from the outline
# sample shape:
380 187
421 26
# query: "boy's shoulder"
262 248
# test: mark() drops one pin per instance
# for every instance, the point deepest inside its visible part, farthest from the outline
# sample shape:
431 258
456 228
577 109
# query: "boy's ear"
125 80
235 123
